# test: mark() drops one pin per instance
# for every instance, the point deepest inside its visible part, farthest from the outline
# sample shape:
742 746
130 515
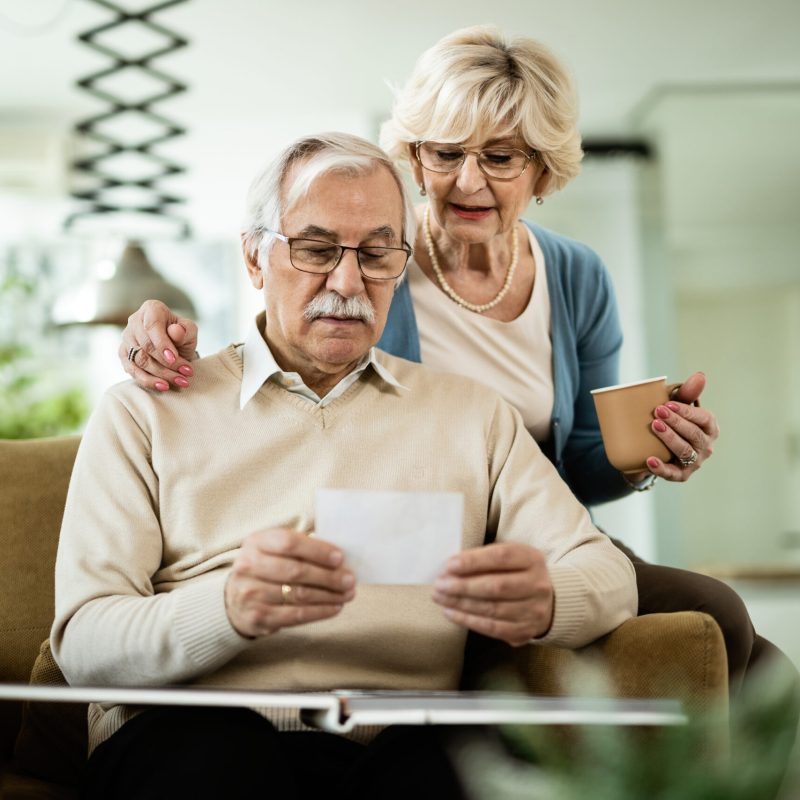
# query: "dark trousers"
230 752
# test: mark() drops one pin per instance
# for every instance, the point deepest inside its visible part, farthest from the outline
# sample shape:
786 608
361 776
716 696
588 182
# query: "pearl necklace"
448 290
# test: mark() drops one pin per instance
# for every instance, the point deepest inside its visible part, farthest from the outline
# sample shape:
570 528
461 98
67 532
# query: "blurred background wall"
690 192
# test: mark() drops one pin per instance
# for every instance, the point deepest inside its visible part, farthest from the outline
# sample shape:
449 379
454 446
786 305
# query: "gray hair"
268 199
473 84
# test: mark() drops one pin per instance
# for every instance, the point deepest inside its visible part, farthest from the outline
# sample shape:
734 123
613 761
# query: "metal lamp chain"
99 166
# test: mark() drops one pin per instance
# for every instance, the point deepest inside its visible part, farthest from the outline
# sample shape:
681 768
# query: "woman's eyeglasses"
499 163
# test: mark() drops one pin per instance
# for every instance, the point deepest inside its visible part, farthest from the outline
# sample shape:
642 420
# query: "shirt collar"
260 365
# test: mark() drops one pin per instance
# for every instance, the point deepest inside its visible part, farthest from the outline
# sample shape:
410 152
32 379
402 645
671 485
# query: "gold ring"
286 593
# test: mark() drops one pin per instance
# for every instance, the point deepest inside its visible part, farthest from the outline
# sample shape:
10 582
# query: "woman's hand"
281 577
501 590
689 431
157 347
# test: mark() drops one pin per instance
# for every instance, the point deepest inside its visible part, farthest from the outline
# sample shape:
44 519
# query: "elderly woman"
486 126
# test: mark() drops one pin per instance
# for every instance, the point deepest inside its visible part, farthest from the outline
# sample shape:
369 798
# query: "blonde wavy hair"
472 85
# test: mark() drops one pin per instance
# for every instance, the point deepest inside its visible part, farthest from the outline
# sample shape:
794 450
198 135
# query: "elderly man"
184 554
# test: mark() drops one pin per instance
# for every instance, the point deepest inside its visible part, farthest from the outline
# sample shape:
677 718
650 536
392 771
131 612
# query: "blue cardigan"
586 338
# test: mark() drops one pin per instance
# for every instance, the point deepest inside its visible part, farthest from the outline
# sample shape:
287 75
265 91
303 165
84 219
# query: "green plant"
32 399
689 762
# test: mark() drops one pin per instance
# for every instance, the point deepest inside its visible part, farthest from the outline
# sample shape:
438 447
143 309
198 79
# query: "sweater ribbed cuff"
202 625
569 612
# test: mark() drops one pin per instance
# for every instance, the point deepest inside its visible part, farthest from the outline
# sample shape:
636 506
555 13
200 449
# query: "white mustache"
331 304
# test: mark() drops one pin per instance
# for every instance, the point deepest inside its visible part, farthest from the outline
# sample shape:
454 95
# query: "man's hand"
162 345
501 590
281 577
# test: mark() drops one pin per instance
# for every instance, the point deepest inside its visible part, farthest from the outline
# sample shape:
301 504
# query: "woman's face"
471 207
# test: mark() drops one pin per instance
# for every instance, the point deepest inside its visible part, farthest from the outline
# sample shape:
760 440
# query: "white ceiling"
337 54
260 71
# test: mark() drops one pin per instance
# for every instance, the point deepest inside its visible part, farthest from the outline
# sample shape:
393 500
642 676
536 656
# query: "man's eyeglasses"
319 257
499 163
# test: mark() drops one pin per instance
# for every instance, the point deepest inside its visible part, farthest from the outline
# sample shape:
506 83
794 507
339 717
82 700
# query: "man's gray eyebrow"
314 231
383 230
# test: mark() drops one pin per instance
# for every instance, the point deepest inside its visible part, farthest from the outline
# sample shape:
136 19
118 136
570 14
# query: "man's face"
352 210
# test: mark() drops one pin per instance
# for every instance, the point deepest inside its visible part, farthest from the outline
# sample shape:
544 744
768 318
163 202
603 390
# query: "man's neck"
320 378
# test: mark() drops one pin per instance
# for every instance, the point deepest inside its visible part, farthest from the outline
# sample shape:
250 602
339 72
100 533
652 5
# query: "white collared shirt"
260 366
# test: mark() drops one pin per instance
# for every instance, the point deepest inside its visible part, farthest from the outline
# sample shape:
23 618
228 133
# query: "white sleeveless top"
513 358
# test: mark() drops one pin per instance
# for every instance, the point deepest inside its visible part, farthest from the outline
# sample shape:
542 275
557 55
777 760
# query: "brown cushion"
679 654
52 741
21 787
34 475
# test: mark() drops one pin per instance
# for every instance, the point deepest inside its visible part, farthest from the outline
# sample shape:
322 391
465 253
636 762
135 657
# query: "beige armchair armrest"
679 655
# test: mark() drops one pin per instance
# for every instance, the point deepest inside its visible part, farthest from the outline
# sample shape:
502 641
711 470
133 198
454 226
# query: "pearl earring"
422 191
539 201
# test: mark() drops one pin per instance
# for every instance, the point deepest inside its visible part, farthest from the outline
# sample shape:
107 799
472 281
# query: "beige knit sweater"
165 487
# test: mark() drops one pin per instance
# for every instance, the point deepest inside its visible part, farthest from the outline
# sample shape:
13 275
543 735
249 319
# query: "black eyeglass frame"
342 248
477 153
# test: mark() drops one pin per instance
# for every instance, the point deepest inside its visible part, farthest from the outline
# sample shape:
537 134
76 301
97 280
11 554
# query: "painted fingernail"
660 426
348 581
181 382
653 462
161 386
169 356
442 584
335 558
186 370
673 406
662 412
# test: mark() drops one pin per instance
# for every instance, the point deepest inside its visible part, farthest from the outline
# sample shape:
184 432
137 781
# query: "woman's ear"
542 183
416 167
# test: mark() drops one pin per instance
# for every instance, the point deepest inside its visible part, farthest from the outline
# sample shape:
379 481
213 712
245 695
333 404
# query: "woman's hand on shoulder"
157 347
688 430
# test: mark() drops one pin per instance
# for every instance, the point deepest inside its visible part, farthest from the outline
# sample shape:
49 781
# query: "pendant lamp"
117 290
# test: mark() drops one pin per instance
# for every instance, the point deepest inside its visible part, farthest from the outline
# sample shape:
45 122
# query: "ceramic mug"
625 413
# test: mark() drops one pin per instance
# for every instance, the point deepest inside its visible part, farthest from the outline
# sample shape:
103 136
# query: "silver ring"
286 594
132 351
687 462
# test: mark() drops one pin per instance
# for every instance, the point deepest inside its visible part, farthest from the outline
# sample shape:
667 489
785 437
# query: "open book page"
167 696
489 708
342 711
